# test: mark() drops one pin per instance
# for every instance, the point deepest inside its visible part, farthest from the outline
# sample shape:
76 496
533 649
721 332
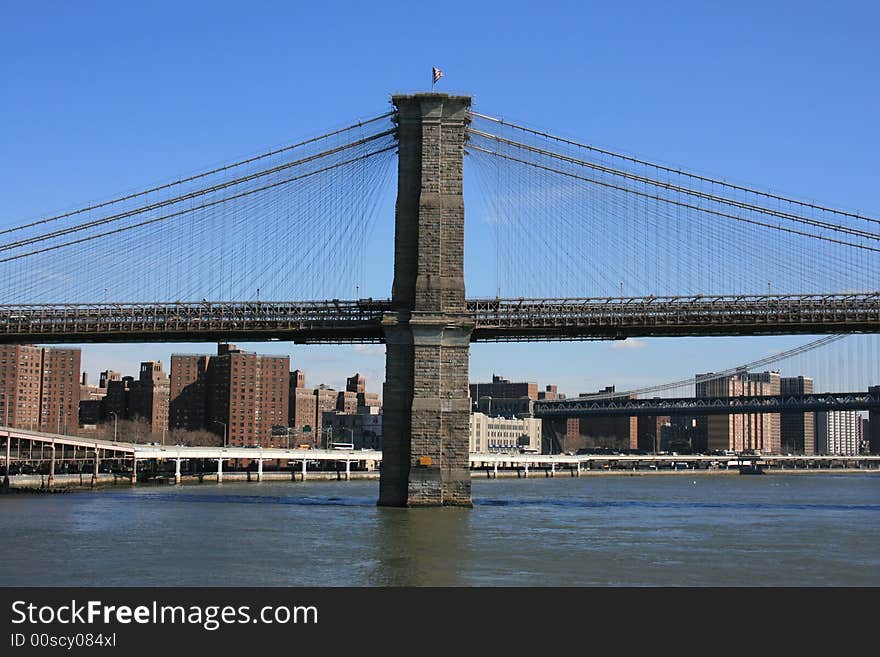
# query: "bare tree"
196 438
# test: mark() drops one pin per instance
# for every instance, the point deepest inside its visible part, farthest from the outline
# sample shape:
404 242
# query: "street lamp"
224 431
115 422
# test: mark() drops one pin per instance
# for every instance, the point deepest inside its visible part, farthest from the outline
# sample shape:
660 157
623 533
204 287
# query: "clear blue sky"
103 97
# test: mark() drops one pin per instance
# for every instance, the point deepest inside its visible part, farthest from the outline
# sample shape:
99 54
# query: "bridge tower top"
429 230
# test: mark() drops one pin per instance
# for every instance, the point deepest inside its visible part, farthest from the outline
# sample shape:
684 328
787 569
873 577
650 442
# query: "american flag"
437 74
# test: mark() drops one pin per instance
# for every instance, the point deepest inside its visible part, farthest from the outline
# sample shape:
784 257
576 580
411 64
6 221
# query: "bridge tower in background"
426 404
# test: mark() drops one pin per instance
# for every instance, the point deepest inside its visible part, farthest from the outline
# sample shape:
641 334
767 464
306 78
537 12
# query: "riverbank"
72 483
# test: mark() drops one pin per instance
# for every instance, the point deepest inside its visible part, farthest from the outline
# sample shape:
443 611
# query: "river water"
817 529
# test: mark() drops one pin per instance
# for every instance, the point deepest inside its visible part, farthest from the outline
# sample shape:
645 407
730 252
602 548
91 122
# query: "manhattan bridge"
589 244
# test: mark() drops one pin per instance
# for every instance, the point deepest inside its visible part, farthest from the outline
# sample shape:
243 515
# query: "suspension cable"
657 197
661 167
685 190
198 175
190 195
199 207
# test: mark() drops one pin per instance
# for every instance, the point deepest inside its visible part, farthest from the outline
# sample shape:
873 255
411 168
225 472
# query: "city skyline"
331 364
595 91
202 392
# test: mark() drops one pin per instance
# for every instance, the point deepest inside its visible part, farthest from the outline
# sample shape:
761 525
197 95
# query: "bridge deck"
347 321
617 406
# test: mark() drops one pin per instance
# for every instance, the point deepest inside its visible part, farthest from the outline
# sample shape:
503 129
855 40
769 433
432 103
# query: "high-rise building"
39 387
572 433
187 407
297 379
149 396
248 394
20 382
759 432
798 430
236 393
144 399
59 404
347 402
837 433
356 383
501 388
301 410
107 376
324 399
369 399
765 429
321 415
117 399
91 402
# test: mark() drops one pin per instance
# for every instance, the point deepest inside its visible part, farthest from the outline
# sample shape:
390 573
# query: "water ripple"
249 499
646 504
318 500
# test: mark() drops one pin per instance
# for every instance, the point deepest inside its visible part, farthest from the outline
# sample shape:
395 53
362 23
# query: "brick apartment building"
237 393
321 413
39 387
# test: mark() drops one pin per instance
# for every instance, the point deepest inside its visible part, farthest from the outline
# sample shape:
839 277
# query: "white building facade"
837 432
504 435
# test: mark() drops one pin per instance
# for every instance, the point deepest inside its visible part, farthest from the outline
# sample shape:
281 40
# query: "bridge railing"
332 320
604 318
494 319
586 406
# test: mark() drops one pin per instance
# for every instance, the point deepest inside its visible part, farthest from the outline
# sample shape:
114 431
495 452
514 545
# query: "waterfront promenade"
61 461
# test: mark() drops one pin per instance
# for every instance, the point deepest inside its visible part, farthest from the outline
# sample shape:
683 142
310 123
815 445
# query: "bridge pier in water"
427 335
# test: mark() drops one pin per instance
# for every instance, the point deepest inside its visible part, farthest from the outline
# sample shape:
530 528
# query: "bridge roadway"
573 462
621 406
495 320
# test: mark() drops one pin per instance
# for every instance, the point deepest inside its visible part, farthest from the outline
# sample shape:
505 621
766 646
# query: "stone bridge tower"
426 407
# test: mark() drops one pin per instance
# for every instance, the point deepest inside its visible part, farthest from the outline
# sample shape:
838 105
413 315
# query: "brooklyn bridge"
590 244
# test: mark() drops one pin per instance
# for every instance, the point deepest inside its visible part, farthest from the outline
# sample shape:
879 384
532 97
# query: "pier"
34 459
